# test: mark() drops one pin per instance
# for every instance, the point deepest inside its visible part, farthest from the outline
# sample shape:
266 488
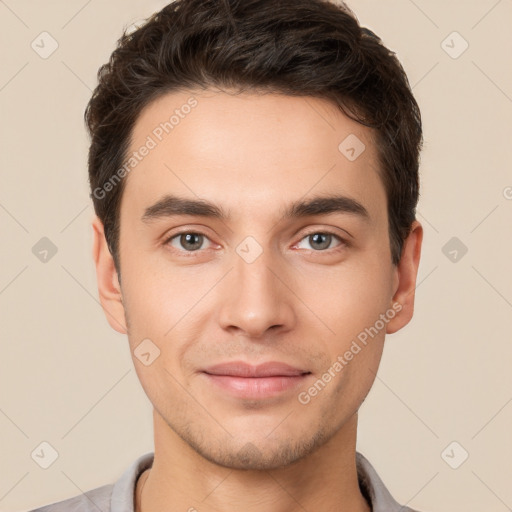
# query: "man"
228 139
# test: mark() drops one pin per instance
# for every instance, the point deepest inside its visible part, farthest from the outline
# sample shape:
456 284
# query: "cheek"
156 297
361 371
165 308
350 298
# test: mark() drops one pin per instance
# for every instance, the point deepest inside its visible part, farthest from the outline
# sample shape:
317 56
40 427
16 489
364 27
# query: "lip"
242 369
246 381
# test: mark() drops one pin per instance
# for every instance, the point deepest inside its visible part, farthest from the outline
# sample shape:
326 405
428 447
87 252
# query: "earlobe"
407 271
109 288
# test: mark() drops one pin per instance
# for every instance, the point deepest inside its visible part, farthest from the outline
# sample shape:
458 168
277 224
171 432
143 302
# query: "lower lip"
256 387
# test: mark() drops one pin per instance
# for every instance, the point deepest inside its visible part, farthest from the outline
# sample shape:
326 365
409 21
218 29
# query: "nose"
257 298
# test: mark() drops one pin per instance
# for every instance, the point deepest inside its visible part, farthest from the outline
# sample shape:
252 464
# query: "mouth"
246 381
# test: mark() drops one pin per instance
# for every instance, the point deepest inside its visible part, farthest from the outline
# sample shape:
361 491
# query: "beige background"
66 378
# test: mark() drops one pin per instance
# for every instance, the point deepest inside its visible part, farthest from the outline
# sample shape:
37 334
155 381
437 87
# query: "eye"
189 241
321 240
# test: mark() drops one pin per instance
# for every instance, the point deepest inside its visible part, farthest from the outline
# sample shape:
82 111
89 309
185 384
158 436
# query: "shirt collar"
123 492
372 487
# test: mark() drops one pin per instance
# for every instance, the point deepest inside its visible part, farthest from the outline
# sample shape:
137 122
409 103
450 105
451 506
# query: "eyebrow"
171 205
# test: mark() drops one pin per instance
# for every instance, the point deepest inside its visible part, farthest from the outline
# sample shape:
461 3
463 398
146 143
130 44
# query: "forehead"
248 151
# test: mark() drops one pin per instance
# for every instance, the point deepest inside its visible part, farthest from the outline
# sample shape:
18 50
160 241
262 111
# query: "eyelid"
328 231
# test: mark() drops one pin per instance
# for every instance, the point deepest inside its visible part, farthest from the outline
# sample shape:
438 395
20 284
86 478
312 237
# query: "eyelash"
343 242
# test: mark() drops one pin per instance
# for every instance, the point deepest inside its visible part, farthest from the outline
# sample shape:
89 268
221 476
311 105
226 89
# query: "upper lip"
242 369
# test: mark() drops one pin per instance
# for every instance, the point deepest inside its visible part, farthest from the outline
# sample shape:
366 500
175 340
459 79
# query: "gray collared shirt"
119 497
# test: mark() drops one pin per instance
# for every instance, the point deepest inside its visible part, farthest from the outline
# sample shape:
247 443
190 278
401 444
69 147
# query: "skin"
298 302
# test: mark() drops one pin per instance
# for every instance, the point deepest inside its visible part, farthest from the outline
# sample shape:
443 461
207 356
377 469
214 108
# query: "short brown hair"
296 47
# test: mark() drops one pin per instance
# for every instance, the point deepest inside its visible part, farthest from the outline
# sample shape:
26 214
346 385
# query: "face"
256 273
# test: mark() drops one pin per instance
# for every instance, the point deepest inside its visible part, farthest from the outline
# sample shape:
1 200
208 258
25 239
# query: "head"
228 140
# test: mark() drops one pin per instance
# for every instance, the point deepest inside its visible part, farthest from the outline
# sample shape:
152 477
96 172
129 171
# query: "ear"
405 279
108 282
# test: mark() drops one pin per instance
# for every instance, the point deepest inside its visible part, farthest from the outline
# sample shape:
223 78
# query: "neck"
181 479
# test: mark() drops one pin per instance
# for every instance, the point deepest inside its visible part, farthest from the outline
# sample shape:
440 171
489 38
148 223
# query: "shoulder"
116 497
90 501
